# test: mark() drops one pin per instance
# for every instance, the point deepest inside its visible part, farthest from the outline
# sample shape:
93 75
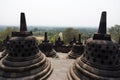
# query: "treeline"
7 32
67 33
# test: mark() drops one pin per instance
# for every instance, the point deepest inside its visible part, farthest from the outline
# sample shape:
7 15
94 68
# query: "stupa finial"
79 38
23 26
102 35
102 25
46 37
59 38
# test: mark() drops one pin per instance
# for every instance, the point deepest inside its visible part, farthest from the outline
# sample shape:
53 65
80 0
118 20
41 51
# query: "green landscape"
66 33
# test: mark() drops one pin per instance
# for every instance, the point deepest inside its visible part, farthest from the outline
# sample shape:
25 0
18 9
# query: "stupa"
76 50
73 41
6 40
100 60
4 46
119 41
59 42
47 48
24 60
59 45
79 40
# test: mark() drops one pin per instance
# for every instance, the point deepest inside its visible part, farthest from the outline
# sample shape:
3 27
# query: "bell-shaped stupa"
47 48
100 60
24 60
73 41
59 42
76 50
5 42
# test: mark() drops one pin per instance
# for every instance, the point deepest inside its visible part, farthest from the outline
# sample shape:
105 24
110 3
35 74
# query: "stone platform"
61 67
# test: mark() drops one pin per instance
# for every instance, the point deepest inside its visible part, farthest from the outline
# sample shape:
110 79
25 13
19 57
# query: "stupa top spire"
102 34
79 38
119 40
59 39
23 26
102 25
100 57
46 37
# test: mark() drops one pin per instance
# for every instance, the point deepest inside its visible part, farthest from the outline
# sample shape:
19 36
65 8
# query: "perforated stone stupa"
79 40
100 60
77 49
5 41
4 46
47 48
24 60
73 41
59 42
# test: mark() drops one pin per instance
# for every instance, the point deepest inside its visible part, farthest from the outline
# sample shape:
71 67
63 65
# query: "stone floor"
61 67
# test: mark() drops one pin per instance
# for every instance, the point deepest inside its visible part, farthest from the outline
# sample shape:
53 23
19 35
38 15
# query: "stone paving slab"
61 67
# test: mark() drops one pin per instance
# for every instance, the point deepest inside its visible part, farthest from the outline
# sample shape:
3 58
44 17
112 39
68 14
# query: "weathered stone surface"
77 49
63 49
73 41
79 40
61 66
23 26
47 48
59 43
3 44
24 60
6 40
45 38
100 60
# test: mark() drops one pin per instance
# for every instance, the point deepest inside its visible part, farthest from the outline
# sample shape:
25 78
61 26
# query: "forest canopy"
115 32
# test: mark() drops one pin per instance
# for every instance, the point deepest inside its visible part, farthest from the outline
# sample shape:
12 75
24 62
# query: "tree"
53 37
69 34
7 31
115 32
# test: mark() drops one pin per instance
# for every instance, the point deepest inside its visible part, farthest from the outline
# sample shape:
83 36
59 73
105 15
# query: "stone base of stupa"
72 55
82 71
29 68
51 53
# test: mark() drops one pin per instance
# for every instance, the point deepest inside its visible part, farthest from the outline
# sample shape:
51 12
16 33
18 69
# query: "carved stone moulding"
100 60
24 60
77 49
47 48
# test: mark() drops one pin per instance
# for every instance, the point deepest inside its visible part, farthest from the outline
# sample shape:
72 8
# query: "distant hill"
54 28
2 27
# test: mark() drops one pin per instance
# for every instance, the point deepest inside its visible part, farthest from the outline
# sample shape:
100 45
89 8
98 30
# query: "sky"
59 12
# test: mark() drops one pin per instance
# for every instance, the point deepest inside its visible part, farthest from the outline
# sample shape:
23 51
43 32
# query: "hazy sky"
59 12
